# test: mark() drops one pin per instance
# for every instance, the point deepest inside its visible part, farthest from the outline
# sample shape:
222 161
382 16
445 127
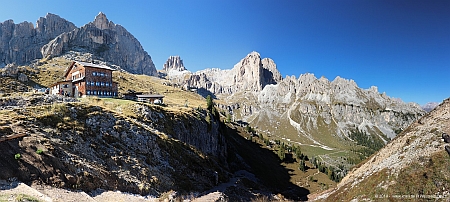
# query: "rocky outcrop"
174 63
21 43
250 74
94 148
207 137
19 102
22 77
10 70
109 41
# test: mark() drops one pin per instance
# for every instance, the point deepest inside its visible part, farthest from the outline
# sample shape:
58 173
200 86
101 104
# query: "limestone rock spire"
101 21
174 63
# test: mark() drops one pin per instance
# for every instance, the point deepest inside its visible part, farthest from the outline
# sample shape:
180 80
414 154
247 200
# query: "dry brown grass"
50 71
175 97
428 178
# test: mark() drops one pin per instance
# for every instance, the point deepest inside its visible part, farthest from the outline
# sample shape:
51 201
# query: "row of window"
100 74
102 93
98 83
77 76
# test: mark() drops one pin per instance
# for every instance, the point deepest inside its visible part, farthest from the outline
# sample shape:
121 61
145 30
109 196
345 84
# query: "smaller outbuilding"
157 99
131 95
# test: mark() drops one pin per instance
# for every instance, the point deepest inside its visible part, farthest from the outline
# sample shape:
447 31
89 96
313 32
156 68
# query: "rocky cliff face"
21 43
340 104
250 74
109 41
174 63
190 130
54 36
414 165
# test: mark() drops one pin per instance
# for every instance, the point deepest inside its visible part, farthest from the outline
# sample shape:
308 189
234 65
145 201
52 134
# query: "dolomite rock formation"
107 40
21 43
54 36
174 63
341 104
250 74
254 92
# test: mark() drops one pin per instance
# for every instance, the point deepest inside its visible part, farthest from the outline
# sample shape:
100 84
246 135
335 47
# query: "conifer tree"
302 166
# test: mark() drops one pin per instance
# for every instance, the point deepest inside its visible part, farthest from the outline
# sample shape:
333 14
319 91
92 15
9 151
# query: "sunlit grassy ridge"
49 71
147 84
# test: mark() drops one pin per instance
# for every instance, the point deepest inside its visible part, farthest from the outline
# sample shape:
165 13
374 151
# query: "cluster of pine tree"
331 172
370 144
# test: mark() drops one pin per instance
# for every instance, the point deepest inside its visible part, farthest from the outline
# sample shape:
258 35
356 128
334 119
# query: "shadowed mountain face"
415 163
54 36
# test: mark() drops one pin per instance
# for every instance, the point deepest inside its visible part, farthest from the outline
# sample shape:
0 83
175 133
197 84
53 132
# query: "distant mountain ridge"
429 106
309 111
54 36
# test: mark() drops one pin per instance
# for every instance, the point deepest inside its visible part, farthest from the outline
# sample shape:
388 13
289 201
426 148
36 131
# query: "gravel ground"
10 190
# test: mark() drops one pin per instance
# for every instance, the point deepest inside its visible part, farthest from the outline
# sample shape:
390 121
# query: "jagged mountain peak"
373 89
51 15
106 41
101 21
53 25
254 53
251 74
21 43
341 81
174 63
53 36
253 59
100 15
324 79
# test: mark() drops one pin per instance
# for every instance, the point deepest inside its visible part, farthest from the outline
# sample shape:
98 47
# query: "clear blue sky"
403 47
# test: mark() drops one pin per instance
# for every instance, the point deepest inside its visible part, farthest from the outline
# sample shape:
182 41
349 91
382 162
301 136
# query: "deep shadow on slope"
263 163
